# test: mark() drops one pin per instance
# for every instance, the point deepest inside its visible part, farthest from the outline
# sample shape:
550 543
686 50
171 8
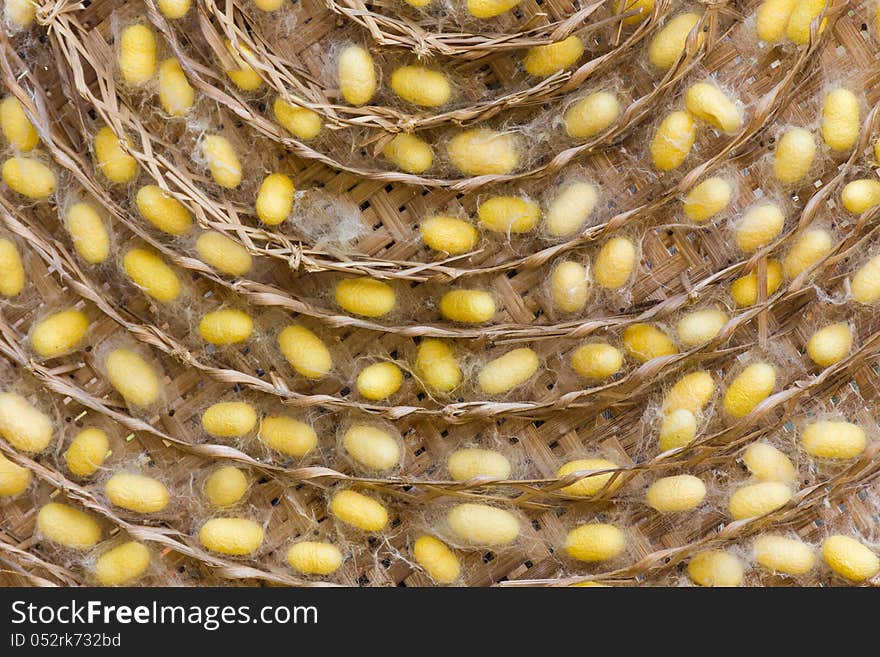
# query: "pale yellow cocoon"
760 226
314 558
673 140
758 499
288 436
223 254
23 425
149 272
509 214
88 233
175 92
860 195
301 122
450 234
20 12
268 5
850 558
465 464
418 4
841 119
481 525
29 177
122 565
715 568
229 419
642 7
68 526
803 13
509 371
707 199
745 290
595 542
597 360
570 286
137 54
371 447
669 43
592 485
359 511
436 365
133 378
645 342
12 276
137 493
490 8
766 463
679 428
784 555
174 9
700 326
480 151
691 392
828 439
542 61
14 479
794 155
226 486
236 537
223 162
244 77
865 284
357 75
467 306
772 19
87 452
163 210
591 115
409 153
830 344
676 493
809 249
365 296
708 103
226 326
59 333
111 159
615 263
421 86
752 386
305 351
16 126
437 560
570 209
275 199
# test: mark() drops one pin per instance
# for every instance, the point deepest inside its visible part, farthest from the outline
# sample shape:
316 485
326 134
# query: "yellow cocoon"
111 159
669 43
590 486
745 290
314 558
760 226
595 542
542 61
68 526
288 436
223 254
88 233
174 9
794 155
133 377
233 536
437 560
123 564
137 54
508 371
508 214
59 333
301 122
87 452
222 161
758 499
229 419
365 296
409 153
865 285
707 199
175 93
480 151
357 75
642 7
570 286
615 263
784 555
860 195
421 86
481 525
715 568
23 425
676 493
700 326
371 447
597 360
436 365
137 493
226 486
12 277
163 211
752 386
467 306
379 381
829 439
244 77
16 126
691 392
708 103
465 464
29 177
645 342
571 208
679 428
591 115
450 234
490 8
150 273
809 249
772 19
673 140
849 558
830 344
305 351
226 326
359 511
14 479
766 463
20 12
840 118
275 199
803 13
268 5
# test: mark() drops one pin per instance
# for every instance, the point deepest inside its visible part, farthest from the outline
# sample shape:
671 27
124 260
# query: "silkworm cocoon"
700 326
68 526
752 386
766 463
615 263
244 77
133 377
830 344
571 208
24 426
436 559
111 159
436 365
840 118
677 493
418 4
483 525
233 536
798 29
359 511
480 151
226 486
809 249
288 436
760 226
860 195
229 419
758 499
174 8
673 141
87 452
570 286
645 342
642 7
223 254
175 93
226 326
490 8
597 360
305 351
591 115
357 75
465 464
137 54
450 234
691 392
20 12
268 5
223 162
467 306
715 568
669 43
590 486
772 19
707 199
708 103
29 177
379 381
508 371
409 153
123 564
745 290
314 558
794 155
16 127
12 277
87 231
163 211
59 333
137 493
865 285
594 542
150 273
679 428
372 447
421 86
365 296
509 214
850 558
784 555
301 122
14 479
542 61
833 440
275 199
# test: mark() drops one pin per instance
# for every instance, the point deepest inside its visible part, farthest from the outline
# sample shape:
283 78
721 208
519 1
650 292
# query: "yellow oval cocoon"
301 122
227 326
700 326
589 486
794 155
760 226
803 13
591 115
371 447
766 463
359 511
467 306
123 564
645 342
841 120
865 285
809 249
29 177
133 377
708 103
14 479
615 263
226 486
379 380
715 568
68 526
305 351
365 296
772 19
784 555
745 290
436 365
597 360
752 386
174 9
223 162
163 211
490 8
830 344
483 525
88 233
570 286
691 392
669 43
508 371
275 199
357 75
676 493
150 273
23 425
137 493
19 12
314 558
707 199
244 77
236 537
829 439
111 159
860 195
571 208
450 234
229 419
137 54
16 126
175 93
849 558
437 560
465 464
12 277
673 140
508 214
288 436
409 153
87 452
480 152
643 9
421 86
223 254
595 542
758 499
59 333
679 428
542 61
